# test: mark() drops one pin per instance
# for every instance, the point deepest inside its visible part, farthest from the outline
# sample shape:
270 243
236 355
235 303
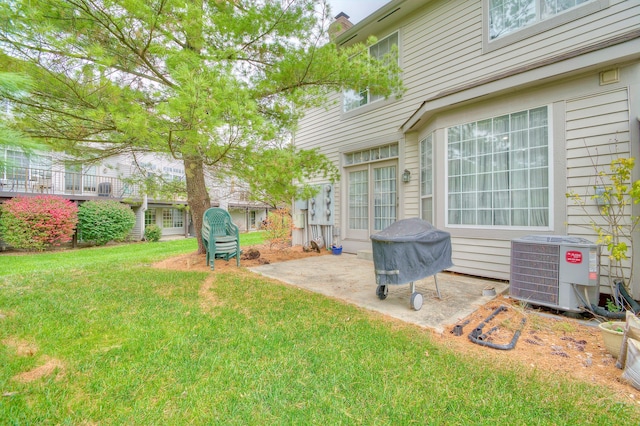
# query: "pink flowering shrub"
35 223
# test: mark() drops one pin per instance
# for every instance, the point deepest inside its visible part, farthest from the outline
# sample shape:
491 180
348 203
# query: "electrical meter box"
321 207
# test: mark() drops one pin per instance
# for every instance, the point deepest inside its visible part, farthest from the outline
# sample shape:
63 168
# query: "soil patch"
267 254
50 366
21 347
554 345
551 344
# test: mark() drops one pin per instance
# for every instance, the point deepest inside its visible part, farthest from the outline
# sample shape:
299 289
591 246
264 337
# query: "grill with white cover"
409 250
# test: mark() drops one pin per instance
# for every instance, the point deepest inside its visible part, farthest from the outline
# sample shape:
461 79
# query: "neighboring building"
52 173
506 106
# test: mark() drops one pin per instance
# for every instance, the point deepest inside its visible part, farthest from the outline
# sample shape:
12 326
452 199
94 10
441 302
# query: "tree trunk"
197 194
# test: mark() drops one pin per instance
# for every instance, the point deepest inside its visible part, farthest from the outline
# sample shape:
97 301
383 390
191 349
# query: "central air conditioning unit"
559 272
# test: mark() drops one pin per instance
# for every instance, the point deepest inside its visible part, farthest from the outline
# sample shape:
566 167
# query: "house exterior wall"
582 111
454 75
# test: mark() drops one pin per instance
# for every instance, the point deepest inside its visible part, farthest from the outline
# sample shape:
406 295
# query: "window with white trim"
498 171
507 16
150 217
352 99
426 178
172 218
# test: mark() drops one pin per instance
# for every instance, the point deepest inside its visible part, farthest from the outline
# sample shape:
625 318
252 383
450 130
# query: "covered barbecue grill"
406 251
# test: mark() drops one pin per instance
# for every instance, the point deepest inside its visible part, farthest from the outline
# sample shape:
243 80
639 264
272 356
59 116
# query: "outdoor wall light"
406 176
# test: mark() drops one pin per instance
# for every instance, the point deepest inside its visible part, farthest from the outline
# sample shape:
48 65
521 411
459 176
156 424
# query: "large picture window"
507 16
353 99
498 171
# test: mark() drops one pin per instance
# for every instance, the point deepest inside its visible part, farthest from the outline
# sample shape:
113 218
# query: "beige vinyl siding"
442 49
483 257
409 193
597 132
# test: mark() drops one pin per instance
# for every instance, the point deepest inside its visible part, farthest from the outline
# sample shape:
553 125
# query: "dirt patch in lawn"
267 254
20 347
551 344
49 366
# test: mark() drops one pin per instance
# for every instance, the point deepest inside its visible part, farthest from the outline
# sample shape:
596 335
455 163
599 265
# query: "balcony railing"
17 180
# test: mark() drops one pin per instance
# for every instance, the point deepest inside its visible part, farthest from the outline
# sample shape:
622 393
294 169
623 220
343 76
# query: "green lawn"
136 345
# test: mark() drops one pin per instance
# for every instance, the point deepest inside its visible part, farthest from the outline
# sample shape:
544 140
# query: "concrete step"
365 254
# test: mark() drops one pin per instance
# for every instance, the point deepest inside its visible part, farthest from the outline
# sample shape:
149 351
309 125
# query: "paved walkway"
350 278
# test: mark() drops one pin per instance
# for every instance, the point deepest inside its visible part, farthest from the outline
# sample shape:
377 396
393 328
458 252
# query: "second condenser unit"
556 271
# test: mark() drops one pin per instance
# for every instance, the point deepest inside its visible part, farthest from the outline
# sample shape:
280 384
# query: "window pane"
468 217
501 125
17 164
427 209
468 201
519 159
454 184
485 199
372 154
520 217
501 217
383 50
506 16
455 201
453 134
384 197
426 166
468 166
520 139
358 199
150 217
468 183
485 217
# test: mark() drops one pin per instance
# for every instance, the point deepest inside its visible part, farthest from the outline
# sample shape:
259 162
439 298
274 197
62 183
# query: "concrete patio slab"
352 279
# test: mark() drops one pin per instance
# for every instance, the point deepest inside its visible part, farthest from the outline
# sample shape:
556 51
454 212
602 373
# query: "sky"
356 9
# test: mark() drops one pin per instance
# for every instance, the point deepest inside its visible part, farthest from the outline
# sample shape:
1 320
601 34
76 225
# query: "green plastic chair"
220 236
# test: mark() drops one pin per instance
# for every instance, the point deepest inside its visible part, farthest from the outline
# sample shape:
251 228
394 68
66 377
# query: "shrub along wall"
104 221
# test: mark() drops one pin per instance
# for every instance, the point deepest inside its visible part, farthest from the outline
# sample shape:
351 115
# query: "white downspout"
144 207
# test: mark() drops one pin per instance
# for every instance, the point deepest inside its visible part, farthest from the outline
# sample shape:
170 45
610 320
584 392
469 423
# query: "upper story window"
507 16
353 99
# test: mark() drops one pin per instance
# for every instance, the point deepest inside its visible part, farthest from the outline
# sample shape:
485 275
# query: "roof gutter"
393 9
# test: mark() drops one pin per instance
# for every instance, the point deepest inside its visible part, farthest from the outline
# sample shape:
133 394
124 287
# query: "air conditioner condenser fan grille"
534 272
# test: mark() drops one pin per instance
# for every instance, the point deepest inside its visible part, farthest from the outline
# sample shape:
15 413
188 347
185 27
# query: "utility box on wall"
321 207
302 204
559 272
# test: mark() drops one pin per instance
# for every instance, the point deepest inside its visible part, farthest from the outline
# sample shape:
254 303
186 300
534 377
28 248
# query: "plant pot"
612 332
336 250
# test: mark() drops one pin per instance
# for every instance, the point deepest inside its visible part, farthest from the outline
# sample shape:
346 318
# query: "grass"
136 345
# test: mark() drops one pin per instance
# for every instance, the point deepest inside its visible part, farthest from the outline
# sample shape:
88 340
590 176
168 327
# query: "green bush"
152 233
104 221
35 223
